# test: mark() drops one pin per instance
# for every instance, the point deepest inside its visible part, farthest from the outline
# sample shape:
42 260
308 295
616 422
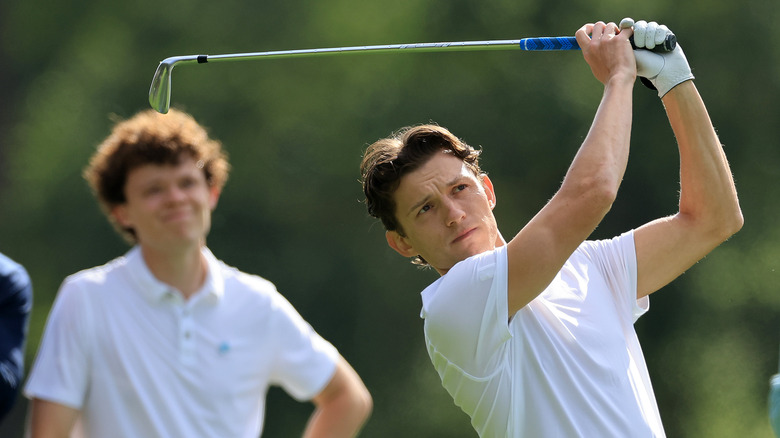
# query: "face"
168 206
446 213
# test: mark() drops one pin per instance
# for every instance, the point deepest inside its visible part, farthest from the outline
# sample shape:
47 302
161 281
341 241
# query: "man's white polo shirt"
140 361
568 364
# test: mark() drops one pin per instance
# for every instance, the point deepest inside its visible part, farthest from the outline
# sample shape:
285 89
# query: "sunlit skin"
445 213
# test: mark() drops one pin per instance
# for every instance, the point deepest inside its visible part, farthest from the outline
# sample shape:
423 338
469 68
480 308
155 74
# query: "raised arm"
541 248
342 407
709 211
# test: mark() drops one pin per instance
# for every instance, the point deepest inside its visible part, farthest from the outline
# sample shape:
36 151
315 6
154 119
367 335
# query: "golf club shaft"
160 90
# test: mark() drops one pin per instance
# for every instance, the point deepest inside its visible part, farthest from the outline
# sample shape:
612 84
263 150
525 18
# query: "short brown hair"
151 138
386 161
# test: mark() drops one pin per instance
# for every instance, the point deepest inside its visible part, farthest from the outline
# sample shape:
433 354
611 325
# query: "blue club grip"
549 43
570 43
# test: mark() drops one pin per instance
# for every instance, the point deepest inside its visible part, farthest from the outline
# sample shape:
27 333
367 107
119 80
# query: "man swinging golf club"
534 337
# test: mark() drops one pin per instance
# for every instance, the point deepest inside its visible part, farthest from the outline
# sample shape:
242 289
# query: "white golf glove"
664 70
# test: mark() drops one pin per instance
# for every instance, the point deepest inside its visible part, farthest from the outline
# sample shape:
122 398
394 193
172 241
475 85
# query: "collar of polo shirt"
155 291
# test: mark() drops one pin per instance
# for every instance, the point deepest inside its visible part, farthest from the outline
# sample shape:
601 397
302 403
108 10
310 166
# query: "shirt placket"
186 334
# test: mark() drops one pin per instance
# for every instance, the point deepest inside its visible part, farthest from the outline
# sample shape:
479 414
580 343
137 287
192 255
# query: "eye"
152 190
424 209
187 182
460 187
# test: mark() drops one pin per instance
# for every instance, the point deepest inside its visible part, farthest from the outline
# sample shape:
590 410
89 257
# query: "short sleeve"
61 370
466 313
616 260
305 362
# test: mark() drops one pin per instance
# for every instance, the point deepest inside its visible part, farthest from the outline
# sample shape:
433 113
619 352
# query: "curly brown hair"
388 160
151 138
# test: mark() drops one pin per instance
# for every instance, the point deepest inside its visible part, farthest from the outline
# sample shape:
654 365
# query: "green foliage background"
295 130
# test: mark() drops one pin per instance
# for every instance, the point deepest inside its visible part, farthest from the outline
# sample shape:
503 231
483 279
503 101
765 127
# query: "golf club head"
160 90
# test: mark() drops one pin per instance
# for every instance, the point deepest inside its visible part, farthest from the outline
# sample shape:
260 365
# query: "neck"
183 269
500 239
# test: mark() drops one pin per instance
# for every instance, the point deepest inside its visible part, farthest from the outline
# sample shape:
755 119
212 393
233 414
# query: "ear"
489 191
214 193
119 213
400 244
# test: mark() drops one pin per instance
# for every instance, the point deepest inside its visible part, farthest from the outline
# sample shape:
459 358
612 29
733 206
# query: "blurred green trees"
295 130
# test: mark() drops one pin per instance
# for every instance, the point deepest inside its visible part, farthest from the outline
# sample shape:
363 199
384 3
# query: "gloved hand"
663 70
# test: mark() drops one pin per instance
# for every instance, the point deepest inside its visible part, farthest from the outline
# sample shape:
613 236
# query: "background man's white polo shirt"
140 361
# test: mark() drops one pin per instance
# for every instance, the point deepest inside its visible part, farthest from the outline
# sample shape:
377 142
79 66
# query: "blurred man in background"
15 306
168 341
535 337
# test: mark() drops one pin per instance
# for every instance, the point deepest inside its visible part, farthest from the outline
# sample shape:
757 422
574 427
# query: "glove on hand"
663 70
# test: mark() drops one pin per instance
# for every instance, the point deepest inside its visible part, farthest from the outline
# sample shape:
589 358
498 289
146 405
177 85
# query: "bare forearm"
342 407
606 145
601 161
707 191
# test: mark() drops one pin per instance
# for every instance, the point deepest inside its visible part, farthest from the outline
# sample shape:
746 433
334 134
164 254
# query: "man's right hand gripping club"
663 70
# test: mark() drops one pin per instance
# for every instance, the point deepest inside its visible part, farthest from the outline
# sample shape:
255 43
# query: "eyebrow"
425 200
418 205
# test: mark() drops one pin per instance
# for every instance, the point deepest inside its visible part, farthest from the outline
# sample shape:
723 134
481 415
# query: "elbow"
600 193
363 404
368 408
346 412
359 404
723 225
729 220
608 195
733 223
344 400
360 407
594 189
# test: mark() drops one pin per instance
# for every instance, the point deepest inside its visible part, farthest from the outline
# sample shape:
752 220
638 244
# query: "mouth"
464 235
177 216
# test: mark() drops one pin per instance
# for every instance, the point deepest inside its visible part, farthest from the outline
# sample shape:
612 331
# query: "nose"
454 213
175 193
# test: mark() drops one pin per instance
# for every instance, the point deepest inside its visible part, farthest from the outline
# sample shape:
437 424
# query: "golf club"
160 90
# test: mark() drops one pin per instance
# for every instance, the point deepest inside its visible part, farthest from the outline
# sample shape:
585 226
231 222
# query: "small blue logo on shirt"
224 347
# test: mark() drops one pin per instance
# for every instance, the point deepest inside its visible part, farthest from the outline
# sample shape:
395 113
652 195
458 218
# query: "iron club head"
160 90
